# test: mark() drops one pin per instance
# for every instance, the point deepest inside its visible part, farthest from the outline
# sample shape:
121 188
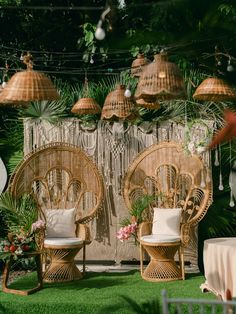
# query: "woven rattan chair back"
176 178
60 176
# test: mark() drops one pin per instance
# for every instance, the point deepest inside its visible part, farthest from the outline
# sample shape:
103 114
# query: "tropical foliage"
20 216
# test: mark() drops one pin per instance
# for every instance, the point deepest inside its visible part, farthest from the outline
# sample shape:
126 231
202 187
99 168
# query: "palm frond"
48 111
14 160
18 213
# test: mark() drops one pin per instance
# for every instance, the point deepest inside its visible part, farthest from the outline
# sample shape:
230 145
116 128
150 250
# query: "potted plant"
20 216
129 226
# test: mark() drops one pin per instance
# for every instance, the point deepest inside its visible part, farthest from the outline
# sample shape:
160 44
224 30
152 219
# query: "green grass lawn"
96 293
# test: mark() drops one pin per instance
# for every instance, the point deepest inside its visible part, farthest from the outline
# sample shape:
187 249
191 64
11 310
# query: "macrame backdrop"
113 146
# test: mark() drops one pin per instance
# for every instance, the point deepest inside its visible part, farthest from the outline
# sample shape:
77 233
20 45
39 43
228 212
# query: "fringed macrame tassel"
221 186
231 202
202 184
216 163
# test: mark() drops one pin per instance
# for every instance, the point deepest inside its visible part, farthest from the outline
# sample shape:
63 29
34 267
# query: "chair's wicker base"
62 267
162 266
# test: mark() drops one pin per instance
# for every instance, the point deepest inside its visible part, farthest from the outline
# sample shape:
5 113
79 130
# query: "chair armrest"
39 239
185 233
83 232
144 228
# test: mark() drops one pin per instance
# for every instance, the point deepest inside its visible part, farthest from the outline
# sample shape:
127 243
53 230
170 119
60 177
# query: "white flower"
18 251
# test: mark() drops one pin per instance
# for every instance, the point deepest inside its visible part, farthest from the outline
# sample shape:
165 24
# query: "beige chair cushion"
60 223
62 241
159 238
166 221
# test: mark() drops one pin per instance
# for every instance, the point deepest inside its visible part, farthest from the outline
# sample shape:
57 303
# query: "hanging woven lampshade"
86 105
117 106
28 85
138 65
146 104
214 89
160 80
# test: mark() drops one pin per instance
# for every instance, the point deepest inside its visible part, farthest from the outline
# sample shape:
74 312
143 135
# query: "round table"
61 252
219 257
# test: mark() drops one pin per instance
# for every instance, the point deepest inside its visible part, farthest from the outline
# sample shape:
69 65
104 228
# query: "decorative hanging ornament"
117 106
138 65
86 104
28 85
160 80
214 89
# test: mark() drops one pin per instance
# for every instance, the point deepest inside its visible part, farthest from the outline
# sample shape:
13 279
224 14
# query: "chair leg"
181 249
141 258
84 256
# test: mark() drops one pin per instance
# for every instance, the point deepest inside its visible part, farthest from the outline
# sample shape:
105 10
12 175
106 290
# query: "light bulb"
4 84
91 60
100 33
230 68
127 93
162 74
232 204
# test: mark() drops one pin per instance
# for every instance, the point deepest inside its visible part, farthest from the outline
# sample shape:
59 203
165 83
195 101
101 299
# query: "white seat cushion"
157 238
60 223
166 221
63 241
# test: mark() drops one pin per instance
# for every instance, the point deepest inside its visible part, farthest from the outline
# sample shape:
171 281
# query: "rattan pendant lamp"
117 106
214 89
86 104
28 85
160 80
138 65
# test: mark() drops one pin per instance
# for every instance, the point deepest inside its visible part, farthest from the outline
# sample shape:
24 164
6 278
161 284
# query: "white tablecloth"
219 258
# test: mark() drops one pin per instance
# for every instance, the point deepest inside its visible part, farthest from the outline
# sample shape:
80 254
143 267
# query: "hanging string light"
230 68
100 33
128 92
214 88
5 75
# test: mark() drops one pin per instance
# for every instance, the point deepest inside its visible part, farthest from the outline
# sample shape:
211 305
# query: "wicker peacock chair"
182 188
68 189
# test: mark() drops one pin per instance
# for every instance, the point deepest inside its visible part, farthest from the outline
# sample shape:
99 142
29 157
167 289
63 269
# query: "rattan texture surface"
117 106
215 89
138 65
28 85
86 106
61 176
160 80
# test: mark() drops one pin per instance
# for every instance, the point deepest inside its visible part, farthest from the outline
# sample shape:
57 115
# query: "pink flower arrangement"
37 225
126 232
